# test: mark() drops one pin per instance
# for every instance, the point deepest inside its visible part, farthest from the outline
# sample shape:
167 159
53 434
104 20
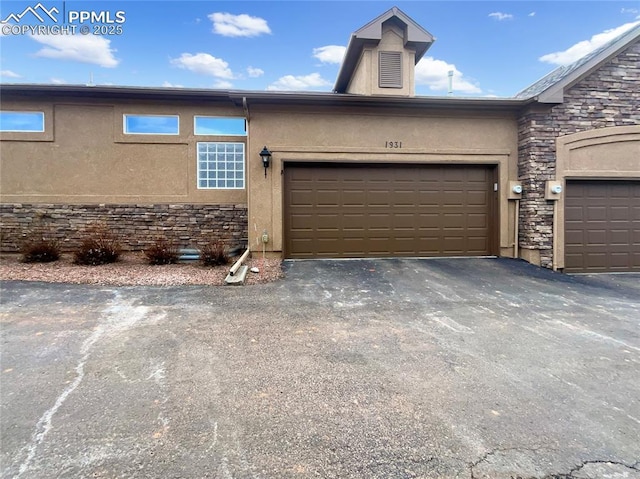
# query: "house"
551 176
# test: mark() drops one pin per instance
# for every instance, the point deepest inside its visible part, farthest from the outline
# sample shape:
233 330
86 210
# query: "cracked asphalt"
442 368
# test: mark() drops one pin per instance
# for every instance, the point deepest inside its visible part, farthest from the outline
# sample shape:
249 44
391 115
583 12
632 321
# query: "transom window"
151 124
222 126
22 121
220 165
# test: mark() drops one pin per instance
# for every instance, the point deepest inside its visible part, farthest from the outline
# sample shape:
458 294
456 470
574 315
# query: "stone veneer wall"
190 225
608 97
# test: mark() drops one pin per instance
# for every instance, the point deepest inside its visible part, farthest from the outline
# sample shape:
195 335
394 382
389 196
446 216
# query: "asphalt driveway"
468 368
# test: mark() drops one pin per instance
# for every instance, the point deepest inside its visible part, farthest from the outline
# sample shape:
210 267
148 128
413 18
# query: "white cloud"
80 48
532 14
204 64
580 49
501 16
255 72
330 53
243 25
222 84
435 74
295 83
57 81
632 11
9 74
167 84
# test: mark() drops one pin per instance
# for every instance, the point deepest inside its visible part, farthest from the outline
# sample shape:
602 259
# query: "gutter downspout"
238 263
554 263
516 230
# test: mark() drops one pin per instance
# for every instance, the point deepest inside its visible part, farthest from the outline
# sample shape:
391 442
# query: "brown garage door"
334 210
602 226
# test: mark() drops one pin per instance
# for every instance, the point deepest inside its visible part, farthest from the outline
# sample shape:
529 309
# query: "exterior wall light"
265 154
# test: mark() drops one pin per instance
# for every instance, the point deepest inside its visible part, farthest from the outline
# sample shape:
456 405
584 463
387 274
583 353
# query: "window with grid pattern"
220 165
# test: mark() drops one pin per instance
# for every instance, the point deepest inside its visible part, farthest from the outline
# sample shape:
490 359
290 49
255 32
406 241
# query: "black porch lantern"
265 154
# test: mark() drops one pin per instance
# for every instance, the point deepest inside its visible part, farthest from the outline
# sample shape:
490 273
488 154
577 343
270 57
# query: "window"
22 121
223 126
151 124
221 165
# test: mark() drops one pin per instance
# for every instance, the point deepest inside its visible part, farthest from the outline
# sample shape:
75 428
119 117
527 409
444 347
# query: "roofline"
110 91
555 92
351 100
238 97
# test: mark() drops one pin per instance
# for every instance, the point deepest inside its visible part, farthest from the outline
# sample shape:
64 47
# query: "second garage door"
602 226
334 210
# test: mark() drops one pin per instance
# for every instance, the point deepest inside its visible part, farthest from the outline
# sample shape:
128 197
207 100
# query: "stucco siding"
84 157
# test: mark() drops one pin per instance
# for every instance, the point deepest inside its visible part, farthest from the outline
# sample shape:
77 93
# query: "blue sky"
494 48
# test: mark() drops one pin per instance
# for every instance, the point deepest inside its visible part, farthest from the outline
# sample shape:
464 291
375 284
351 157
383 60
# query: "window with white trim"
220 165
22 121
219 125
151 124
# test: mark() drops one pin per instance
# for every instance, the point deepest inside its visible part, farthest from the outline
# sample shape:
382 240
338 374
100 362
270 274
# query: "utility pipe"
516 226
238 263
554 237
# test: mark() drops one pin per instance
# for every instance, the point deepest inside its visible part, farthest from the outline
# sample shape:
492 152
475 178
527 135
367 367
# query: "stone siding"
137 226
608 97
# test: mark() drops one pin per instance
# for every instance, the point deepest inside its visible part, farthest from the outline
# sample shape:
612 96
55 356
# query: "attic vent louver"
390 68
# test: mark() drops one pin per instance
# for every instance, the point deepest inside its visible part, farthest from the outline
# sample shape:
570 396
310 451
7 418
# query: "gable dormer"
381 56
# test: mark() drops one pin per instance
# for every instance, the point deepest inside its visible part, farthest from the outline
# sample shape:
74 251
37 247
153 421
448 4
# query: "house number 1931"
393 144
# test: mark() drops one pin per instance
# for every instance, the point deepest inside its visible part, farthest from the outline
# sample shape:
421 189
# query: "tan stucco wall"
83 156
605 153
359 136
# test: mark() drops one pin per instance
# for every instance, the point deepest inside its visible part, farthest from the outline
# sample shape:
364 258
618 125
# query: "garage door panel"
619 260
596 237
601 226
404 221
301 198
478 244
620 237
327 198
620 213
477 220
302 222
387 210
428 199
452 198
574 237
477 198
353 198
